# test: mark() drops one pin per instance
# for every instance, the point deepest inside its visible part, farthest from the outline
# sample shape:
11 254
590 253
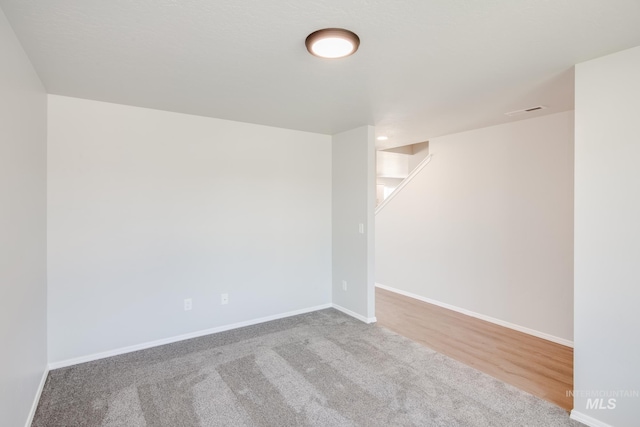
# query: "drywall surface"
148 208
487 225
419 152
23 291
607 239
353 182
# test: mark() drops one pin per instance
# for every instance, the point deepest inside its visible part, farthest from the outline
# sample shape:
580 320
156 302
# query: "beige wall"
419 152
487 225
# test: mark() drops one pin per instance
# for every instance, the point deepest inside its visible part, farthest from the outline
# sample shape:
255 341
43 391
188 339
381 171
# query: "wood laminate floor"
535 365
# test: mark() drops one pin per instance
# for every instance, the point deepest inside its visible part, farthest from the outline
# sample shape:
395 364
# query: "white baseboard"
143 346
354 314
513 326
587 420
36 399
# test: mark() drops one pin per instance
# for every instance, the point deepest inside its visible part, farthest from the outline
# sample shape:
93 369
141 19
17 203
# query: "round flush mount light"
382 138
332 43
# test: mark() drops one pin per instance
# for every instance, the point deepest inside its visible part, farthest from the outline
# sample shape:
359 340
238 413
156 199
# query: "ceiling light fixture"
382 138
332 43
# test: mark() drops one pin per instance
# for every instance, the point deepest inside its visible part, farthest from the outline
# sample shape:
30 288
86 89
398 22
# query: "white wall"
23 124
392 165
354 197
147 208
607 236
487 225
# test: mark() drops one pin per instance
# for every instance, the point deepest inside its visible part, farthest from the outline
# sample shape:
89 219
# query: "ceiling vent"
526 110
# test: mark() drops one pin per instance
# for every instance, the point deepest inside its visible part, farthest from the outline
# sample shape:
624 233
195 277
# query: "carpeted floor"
318 369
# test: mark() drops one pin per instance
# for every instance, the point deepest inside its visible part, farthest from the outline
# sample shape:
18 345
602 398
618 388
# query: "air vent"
526 110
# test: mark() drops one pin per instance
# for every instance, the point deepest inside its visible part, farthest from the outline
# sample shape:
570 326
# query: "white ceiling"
424 68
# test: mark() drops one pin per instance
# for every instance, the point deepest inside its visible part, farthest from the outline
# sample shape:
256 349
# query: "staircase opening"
393 165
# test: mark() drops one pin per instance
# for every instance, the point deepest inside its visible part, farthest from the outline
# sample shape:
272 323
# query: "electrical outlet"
361 228
344 285
224 299
188 304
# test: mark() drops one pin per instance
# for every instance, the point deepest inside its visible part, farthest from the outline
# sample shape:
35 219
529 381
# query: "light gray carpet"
318 369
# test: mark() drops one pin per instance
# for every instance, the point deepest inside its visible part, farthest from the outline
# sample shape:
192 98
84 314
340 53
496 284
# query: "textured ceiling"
424 68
